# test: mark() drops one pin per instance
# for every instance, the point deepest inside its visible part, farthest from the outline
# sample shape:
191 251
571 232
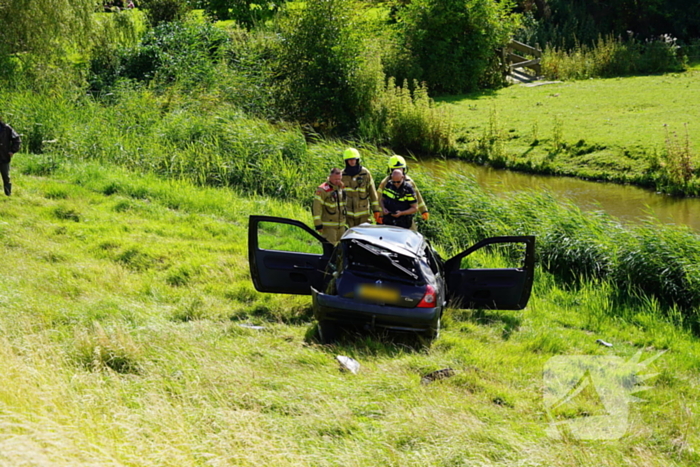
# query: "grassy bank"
209 143
631 130
123 296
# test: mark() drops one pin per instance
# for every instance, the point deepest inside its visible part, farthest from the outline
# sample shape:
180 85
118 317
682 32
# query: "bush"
612 56
174 52
319 65
450 43
164 11
407 121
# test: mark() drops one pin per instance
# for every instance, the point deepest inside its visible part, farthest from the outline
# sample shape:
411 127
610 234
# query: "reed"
407 120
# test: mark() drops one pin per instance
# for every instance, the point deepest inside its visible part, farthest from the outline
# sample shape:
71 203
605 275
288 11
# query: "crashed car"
382 277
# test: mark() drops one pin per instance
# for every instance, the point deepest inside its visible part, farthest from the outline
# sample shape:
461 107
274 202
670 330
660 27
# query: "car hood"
402 241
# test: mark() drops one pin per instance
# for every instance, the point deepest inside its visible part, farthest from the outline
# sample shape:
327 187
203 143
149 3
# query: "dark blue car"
381 276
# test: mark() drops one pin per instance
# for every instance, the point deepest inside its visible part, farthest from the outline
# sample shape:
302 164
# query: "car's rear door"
505 288
285 255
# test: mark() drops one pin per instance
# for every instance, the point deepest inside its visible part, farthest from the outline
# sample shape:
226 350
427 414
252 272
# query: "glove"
378 217
425 216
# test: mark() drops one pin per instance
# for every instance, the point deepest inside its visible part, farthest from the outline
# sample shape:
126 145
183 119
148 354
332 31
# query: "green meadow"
619 129
126 303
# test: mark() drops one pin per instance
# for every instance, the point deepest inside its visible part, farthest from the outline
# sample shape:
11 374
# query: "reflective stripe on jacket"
398 198
328 207
419 199
361 194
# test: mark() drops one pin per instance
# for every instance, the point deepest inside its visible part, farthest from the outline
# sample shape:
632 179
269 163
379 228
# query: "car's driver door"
497 289
286 255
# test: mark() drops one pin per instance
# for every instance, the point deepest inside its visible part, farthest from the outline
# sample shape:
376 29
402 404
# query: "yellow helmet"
351 153
397 162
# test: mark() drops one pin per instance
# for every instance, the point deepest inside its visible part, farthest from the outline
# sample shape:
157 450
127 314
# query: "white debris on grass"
348 364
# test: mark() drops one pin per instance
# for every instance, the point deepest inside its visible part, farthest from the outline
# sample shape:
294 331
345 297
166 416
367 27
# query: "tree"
451 44
569 23
320 65
37 37
45 28
245 12
165 11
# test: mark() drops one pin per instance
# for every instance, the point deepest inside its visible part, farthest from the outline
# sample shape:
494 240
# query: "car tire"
434 333
327 332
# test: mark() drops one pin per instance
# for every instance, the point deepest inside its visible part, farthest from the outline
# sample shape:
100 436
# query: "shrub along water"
407 121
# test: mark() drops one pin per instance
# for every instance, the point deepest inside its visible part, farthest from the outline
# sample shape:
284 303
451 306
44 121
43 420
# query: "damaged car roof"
395 238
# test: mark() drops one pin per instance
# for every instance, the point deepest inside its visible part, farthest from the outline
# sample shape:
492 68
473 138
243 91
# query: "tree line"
360 68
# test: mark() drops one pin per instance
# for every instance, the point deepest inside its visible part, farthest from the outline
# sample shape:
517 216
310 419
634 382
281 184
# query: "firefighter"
398 201
329 207
359 189
398 162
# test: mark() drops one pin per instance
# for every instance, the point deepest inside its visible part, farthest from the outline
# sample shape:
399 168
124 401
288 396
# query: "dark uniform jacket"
422 208
398 198
9 142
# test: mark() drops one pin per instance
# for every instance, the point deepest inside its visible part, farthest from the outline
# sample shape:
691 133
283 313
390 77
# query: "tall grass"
613 56
407 120
146 132
678 170
490 147
652 260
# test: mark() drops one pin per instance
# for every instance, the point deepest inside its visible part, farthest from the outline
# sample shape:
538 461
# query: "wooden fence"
527 57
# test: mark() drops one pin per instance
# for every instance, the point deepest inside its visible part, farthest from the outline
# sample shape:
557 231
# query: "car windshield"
365 258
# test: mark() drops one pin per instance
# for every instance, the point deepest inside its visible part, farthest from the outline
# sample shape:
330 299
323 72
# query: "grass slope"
122 297
609 129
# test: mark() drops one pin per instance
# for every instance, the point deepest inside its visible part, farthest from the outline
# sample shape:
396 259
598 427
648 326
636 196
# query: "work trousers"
5 172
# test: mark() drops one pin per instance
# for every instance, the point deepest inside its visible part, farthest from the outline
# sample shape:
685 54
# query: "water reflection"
627 203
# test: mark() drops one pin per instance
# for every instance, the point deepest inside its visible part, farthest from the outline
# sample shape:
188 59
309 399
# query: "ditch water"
629 204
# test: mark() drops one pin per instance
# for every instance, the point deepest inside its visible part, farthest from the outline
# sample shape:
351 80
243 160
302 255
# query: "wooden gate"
523 66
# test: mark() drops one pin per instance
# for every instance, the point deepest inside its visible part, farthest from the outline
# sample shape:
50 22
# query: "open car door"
496 289
285 255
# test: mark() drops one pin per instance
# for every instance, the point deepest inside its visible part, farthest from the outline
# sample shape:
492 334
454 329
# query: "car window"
365 258
500 255
287 237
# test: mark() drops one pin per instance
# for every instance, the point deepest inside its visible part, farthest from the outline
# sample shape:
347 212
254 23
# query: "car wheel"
434 332
327 332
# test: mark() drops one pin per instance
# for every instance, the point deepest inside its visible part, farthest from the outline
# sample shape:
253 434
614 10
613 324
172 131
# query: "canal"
627 203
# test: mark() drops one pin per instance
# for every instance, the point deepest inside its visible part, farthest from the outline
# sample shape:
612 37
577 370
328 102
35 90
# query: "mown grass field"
122 299
610 129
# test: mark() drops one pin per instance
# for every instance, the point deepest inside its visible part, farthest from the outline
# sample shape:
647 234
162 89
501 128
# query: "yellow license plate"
380 294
